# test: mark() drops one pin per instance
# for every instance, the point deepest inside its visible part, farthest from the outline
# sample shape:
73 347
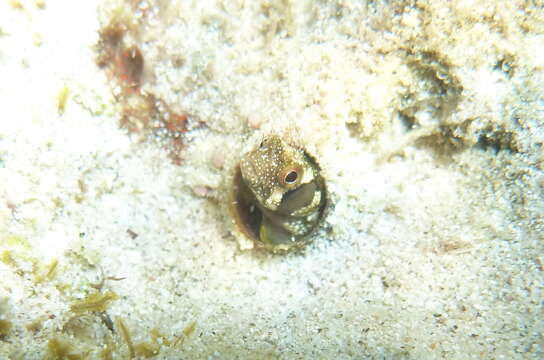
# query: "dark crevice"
408 121
497 140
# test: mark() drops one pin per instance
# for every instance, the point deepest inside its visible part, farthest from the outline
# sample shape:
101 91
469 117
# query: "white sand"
427 122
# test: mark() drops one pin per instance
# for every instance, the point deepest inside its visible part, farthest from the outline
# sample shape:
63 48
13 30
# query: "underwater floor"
420 124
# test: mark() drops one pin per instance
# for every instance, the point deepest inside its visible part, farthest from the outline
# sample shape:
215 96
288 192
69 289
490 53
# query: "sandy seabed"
426 117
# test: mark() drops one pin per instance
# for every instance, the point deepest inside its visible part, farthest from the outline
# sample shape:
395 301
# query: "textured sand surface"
426 117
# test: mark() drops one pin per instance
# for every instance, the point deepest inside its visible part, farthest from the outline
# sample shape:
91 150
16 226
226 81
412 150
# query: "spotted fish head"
284 193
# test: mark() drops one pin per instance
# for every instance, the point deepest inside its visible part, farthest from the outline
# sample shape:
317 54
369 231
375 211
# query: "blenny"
279 195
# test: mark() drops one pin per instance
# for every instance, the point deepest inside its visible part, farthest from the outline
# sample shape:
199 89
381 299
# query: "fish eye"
291 175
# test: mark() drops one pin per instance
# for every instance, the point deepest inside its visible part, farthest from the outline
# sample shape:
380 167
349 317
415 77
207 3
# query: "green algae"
94 302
